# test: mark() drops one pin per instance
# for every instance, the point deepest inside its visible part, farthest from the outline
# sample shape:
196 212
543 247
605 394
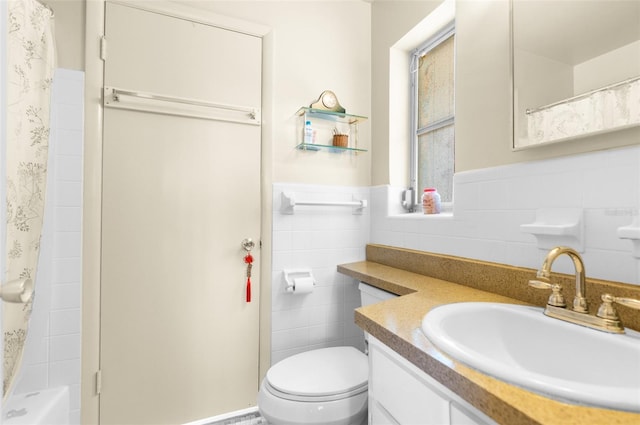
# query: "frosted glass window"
435 167
435 84
434 111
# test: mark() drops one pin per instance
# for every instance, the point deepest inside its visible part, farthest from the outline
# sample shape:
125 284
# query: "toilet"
326 386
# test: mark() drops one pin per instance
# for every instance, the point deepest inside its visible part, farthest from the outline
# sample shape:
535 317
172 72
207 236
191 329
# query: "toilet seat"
319 375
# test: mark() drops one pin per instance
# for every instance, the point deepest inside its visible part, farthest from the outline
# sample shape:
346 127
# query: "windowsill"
420 215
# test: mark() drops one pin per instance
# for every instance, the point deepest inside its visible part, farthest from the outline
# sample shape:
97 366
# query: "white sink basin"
522 346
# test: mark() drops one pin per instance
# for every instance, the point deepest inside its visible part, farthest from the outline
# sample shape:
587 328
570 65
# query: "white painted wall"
598 72
314 46
541 80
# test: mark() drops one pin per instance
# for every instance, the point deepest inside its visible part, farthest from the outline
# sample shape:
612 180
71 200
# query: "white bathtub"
50 407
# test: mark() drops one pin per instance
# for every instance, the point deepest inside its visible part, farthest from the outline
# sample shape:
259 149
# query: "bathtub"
50 407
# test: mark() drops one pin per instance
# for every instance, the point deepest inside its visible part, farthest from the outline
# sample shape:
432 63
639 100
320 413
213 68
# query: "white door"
179 341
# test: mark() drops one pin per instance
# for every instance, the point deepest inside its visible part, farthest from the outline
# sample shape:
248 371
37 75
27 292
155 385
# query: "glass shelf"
315 147
330 115
332 122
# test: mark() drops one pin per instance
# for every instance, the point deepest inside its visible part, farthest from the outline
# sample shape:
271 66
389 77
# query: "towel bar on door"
173 105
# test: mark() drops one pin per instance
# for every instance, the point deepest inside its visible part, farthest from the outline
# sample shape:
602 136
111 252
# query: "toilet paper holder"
290 275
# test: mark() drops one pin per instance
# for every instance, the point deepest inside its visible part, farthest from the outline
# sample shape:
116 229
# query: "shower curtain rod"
47 6
580 96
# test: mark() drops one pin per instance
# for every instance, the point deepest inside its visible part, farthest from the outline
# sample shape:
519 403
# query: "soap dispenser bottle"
308 132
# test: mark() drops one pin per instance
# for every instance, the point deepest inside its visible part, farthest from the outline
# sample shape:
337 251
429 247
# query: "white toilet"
327 386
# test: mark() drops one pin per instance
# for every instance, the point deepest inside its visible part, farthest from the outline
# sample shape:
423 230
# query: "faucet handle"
607 309
556 298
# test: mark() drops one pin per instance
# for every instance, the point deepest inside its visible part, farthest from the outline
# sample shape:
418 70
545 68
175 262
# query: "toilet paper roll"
302 285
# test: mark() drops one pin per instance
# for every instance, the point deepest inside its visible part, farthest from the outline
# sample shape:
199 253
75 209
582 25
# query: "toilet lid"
322 372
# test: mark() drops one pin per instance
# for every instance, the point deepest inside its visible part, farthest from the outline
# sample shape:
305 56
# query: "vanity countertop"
396 323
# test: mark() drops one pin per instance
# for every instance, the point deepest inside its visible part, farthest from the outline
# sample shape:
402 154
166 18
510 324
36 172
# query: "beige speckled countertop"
397 322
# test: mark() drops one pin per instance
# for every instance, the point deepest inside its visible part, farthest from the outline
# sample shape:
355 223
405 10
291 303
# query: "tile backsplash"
491 205
52 352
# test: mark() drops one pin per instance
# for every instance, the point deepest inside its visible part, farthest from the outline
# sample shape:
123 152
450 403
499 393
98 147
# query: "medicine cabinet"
324 124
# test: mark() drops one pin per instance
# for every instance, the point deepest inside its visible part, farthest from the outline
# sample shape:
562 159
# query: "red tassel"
248 259
248 289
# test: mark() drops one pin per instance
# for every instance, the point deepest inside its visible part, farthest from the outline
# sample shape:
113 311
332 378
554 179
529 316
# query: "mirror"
576 69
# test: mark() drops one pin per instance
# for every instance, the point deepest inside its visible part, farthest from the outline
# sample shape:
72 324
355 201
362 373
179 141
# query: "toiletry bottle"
308 132
431 201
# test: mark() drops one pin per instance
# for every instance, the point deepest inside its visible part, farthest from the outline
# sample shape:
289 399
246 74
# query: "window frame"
429 44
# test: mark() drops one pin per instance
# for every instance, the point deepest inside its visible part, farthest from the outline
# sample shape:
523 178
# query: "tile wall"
317 238
52 353
491 204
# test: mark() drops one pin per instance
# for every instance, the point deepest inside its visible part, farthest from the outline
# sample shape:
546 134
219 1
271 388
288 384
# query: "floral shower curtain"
30 65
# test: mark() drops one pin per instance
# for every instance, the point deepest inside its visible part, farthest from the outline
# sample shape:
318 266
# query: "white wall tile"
611 187
64 347
67 219
65 372
67 270
68 194
67 245
491 204
69 142
318 238
68 87
291 319
65 322
36 350
67 116
52 356
68 168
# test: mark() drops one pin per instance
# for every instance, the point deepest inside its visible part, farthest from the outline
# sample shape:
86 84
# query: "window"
432 106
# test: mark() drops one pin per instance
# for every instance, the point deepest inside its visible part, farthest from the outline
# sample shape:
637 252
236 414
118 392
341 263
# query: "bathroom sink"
520 345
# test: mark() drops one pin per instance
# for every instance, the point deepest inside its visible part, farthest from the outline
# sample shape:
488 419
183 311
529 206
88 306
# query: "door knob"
247 244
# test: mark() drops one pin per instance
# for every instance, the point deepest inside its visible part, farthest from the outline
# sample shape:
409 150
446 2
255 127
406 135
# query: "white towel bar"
173 105
289 203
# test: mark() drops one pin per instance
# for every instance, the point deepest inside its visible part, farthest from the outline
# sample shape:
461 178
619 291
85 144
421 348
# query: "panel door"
179 341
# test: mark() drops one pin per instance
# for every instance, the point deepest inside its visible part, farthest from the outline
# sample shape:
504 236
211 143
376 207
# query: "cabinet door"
402 394
408 398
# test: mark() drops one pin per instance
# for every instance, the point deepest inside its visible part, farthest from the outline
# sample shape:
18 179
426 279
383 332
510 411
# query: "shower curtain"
30 65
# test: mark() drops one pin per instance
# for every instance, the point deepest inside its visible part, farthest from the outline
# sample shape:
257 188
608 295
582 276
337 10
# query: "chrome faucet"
580 300
606 319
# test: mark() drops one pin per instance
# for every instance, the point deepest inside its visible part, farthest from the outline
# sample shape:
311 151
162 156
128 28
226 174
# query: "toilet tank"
371 295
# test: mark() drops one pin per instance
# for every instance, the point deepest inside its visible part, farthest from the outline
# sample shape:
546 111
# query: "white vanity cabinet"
402 394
